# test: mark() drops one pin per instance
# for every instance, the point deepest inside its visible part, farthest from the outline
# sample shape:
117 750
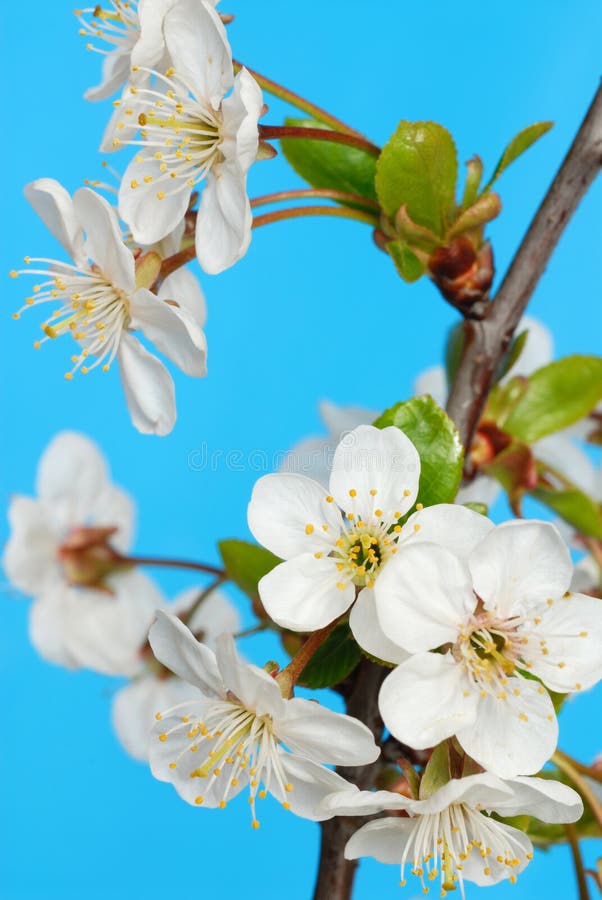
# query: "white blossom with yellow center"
100 305
190 131
501 616
231 736
450 837
337 544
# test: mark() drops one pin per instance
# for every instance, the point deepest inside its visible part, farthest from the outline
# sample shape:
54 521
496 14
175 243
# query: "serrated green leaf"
435 437
328 165
409 266
333 661
246 564
517 146
555 397
575 507
418 168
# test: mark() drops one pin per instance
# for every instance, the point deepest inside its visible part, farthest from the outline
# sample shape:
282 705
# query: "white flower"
338 543
191 131
100 305
232 735
135 705
314 456
101 629
503 614
450 836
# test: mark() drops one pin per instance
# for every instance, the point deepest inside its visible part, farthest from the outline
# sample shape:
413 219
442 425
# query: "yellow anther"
160 195
69 376
309 529
255 824
172 765
13 273
318 555
286 805
222 804
288 787
163 737
134 184
523 717
198 800
329 499
341 586
353 492
378 512
416 527
419 506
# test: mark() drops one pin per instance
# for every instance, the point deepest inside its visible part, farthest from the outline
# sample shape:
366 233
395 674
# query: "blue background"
313 311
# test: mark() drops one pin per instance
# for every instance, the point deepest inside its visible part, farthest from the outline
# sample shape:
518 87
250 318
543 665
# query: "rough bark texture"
485 344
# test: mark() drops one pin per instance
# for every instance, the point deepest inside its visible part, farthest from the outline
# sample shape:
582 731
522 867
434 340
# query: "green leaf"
437 772
474 173
246 564
555 397
333 661
480 508
328 165
484 210
409 266
435 437
575 507
517 146
418 168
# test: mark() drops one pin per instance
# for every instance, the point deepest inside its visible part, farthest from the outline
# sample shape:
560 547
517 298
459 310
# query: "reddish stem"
278 132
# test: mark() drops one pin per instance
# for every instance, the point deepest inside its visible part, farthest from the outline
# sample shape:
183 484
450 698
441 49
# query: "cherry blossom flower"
336 544
102 625
499 618
100 305
450 836
232 735
192 131
135 705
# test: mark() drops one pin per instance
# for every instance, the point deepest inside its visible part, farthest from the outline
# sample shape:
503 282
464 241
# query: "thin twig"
315 193
176 564
280 132
298 212
486 341
573 839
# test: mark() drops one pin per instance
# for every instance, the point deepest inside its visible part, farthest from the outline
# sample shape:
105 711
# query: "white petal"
136 705
353 802
115 71
150 46
367 630
241 112
561 452
483 789
474 867
449 525
520 564
149 218
480 490
148 387
55 208
184 289
252 686
72 469
47 619
434 382
426 699
223 225
548 801
586 575
381 460
341 419
311 784
216 615
173 331
197 43
114 507
325 736
312 458
30 555
383 839
303 594
287 513
423 595
572 630
513 736
105 632
104 244
177 649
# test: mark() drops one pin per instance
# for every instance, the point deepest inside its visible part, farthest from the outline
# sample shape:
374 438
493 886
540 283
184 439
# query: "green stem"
581 784
315 193
176 564
278 132
277 90
297 212
255 629
571 833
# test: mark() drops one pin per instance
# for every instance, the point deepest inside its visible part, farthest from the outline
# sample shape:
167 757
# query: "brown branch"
335 873
486 341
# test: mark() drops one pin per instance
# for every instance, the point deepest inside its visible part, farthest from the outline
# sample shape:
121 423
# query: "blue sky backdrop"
314 311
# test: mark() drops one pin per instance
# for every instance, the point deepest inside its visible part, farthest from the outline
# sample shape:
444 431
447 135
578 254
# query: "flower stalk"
581 784
278 132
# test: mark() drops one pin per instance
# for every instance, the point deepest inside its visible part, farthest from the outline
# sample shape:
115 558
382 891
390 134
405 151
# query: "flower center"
92 310
440 843
361 552
490 650
228 746
182 135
